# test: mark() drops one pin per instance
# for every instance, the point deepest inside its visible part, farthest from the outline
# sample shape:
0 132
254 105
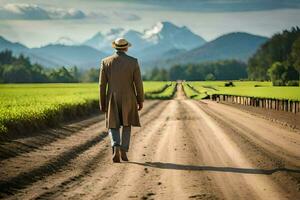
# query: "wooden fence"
268 103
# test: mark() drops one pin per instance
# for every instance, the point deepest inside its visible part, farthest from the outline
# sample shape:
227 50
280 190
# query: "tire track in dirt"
17 145
279 141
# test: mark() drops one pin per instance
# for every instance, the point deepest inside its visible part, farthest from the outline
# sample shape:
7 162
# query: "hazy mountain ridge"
236 45
14 46
54 55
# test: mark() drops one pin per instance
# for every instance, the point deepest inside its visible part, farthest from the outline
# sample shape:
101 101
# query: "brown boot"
123 155
116 154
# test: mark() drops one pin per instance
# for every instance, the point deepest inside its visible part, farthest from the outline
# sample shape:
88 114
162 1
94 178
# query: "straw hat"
120 43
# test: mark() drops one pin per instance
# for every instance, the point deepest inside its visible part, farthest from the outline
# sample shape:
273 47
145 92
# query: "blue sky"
37 22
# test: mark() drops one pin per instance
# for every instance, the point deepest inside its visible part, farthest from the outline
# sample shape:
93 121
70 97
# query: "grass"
288 93
236 83
246 88
192 92
154 86
33 106
166 93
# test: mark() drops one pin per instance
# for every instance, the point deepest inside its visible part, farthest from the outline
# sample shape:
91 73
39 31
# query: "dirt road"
186 149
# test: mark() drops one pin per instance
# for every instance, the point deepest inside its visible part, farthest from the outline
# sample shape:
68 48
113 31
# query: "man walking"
121 96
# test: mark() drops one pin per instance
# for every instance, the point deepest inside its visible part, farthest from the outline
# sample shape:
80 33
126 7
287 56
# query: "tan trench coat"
121 88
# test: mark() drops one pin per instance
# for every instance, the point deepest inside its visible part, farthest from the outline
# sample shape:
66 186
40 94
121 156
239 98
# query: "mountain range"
162 45
54 55
150 43
236 45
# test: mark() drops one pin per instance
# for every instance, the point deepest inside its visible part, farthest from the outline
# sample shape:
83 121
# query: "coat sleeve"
102 86
137 79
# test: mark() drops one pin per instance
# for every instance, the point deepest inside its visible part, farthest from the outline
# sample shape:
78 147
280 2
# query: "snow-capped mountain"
65 41
102 41
177 37
96 41
152 42
167 37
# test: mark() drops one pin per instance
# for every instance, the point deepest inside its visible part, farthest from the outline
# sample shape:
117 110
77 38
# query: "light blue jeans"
114 134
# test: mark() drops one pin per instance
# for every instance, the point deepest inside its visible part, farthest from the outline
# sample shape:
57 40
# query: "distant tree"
74 72
6 57
276 71
282 73
38 74
177 72
210 77
61 75
164 75
16 74
90 75
22 61
295 55
289 74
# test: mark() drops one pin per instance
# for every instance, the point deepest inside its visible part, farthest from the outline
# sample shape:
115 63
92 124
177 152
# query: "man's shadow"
161 165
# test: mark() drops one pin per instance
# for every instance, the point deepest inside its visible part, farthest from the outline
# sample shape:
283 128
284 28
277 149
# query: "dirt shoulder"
287 119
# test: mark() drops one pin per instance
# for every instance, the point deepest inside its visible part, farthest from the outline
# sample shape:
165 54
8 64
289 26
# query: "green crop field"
242 88
154 86
32 106
166 92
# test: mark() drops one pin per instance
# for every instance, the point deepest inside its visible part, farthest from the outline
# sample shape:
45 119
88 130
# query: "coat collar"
120 53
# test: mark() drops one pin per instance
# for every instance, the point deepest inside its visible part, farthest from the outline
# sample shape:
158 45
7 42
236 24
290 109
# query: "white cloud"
67 14
127 16
23 11
35 12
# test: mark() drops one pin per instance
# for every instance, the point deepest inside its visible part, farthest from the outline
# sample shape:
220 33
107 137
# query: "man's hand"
140 106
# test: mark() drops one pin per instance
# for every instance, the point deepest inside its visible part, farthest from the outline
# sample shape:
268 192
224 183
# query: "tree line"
278 59
219 70
19 69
